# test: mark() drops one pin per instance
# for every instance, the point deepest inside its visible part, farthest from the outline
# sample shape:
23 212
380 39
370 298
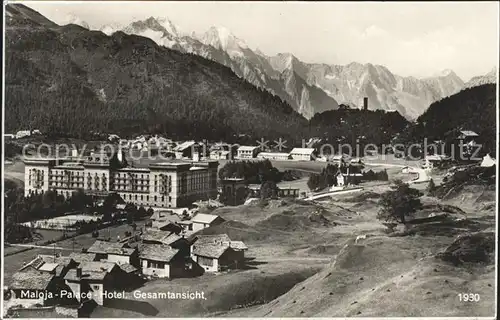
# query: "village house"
56 265
32 287
114 252
215 253
162 261
247 152
166 221
302 154
94 278
175 241
202 221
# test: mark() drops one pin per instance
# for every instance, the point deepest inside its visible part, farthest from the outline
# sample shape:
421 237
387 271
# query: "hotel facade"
166 185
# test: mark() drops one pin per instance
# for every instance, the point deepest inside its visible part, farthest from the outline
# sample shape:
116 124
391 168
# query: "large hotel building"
167 184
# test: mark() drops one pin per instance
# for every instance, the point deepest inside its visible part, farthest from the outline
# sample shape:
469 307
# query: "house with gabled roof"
162 261
32 286
114 252
203 220
91 279
216 253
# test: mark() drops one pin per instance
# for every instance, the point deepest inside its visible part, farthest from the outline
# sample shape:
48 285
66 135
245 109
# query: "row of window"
144 198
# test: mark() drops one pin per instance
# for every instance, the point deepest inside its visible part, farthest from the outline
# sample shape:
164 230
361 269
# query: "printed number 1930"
468 297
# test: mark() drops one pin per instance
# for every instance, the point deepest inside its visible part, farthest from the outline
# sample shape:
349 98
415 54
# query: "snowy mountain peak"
169 26
222 38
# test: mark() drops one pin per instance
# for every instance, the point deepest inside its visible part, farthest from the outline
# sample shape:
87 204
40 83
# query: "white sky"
418 39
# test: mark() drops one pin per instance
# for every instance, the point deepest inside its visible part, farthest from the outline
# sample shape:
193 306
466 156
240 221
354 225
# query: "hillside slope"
67 80
470 109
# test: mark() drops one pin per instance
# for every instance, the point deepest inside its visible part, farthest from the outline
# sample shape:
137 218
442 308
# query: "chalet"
202 221
159 260
114 252
90 280
216 253
302 154
274 155
248 152
173 240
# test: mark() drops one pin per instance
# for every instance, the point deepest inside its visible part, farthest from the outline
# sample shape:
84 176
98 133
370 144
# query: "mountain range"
310 88
68 81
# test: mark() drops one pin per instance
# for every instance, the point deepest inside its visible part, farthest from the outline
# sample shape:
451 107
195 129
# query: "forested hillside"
470 109
68 81
348 125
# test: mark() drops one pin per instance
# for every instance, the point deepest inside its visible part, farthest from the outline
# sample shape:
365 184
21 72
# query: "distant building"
467 144
247 152
233 191
202 221
302 154
23 134
220 154
185 149
216 253
432 161
488 161
347 178
273 155
340 159
283 191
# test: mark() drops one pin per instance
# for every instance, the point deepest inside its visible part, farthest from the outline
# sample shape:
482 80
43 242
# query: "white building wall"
118 258
160 272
